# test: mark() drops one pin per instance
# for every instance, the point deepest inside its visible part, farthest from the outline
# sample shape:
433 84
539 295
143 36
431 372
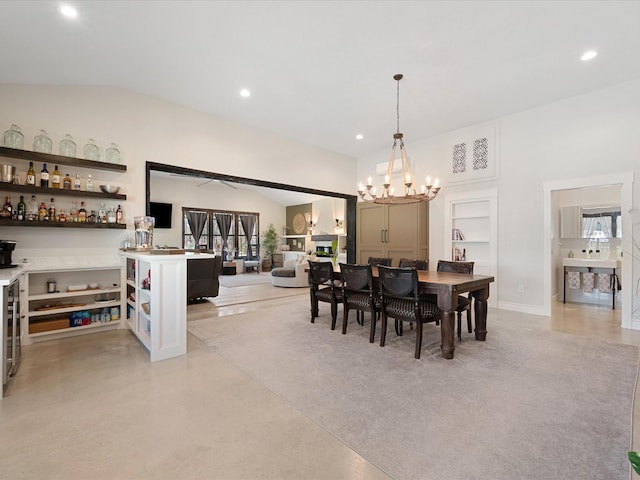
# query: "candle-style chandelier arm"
427 193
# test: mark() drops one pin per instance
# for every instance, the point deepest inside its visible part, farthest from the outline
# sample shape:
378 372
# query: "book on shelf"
456 234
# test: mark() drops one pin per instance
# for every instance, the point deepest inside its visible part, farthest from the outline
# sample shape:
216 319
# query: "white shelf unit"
156 302
474 215
46 316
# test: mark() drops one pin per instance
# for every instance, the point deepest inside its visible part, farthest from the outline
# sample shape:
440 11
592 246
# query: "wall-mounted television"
162 213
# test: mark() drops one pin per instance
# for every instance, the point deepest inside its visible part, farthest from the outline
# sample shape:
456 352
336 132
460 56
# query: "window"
222 231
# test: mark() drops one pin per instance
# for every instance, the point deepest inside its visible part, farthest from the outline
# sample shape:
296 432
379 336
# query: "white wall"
212 195
583 136
149 129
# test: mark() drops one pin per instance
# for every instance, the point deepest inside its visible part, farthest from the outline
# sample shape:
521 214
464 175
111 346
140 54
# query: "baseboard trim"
519 307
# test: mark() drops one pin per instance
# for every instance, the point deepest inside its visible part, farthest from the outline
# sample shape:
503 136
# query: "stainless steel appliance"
11 331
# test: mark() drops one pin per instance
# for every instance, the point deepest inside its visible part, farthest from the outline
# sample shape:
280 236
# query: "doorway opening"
552 235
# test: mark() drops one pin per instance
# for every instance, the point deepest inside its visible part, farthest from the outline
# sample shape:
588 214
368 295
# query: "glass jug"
13 137
67 146
42 143
91 150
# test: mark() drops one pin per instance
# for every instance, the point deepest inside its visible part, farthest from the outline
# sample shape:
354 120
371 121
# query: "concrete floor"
95 407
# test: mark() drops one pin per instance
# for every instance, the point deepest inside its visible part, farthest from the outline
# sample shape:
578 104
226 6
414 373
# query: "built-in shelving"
44 224
48 315
52 159
50 192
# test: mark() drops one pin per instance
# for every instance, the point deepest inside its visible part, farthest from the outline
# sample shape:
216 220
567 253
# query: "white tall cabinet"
472 229
157 302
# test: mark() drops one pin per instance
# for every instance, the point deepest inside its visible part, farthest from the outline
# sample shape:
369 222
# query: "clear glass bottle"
113 154
102 214
33 209
13 138
111 215
73 213
67 146
42 143
89 187
52 211
76 182
91 150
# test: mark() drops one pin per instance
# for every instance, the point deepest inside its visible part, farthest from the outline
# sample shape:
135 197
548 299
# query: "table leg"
480 306
447 329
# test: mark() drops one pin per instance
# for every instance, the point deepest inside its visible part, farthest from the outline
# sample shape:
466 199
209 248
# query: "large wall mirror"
186 187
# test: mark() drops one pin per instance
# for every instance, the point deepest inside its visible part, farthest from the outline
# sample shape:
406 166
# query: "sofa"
292 273
202 278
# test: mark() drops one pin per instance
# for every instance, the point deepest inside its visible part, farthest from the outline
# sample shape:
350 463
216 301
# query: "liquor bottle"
22 209
67 182
102 214
76 182
33 209
31 175
92 218
119 215
55 178
111 215
44 176
52 211
82 213
89 187
43 214
7 205
63 216
74 212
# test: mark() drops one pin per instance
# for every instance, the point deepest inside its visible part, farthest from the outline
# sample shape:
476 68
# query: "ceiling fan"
208 180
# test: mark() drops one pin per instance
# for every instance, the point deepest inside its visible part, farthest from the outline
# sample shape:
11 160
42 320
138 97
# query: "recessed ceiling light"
245 93
359 136
68 11
588 55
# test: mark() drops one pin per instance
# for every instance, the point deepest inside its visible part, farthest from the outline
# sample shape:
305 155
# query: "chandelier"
427 192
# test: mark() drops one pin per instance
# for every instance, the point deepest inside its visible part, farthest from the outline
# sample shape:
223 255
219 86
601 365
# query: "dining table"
447 286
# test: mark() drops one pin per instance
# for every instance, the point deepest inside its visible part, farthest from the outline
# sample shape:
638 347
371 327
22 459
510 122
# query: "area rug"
528 403
244 279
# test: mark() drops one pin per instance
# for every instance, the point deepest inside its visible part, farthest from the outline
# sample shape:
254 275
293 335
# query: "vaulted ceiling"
322 71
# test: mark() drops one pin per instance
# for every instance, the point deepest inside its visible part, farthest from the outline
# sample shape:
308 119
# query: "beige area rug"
525 404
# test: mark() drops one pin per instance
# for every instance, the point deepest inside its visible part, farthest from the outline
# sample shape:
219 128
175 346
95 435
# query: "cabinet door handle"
381 236
386 236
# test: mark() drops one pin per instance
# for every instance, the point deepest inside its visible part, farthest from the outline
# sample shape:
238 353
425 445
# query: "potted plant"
269 245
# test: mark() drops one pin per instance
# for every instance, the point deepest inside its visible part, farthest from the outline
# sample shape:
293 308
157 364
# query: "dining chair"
400 299
358 293
323 289
418 265
414 263
375 261
464 302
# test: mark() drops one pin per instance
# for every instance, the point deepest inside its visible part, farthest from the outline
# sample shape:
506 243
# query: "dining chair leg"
383 330
345 316
460 326
334 315
372 335
418 339
314 309
399 328
469 320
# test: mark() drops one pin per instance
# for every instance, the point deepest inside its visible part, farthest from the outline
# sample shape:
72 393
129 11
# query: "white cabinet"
157 302
84 300
472 232
392 230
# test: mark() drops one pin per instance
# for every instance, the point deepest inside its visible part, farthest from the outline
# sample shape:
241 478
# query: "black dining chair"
375 261
464 302
323 289
400 299
413 263
358 294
